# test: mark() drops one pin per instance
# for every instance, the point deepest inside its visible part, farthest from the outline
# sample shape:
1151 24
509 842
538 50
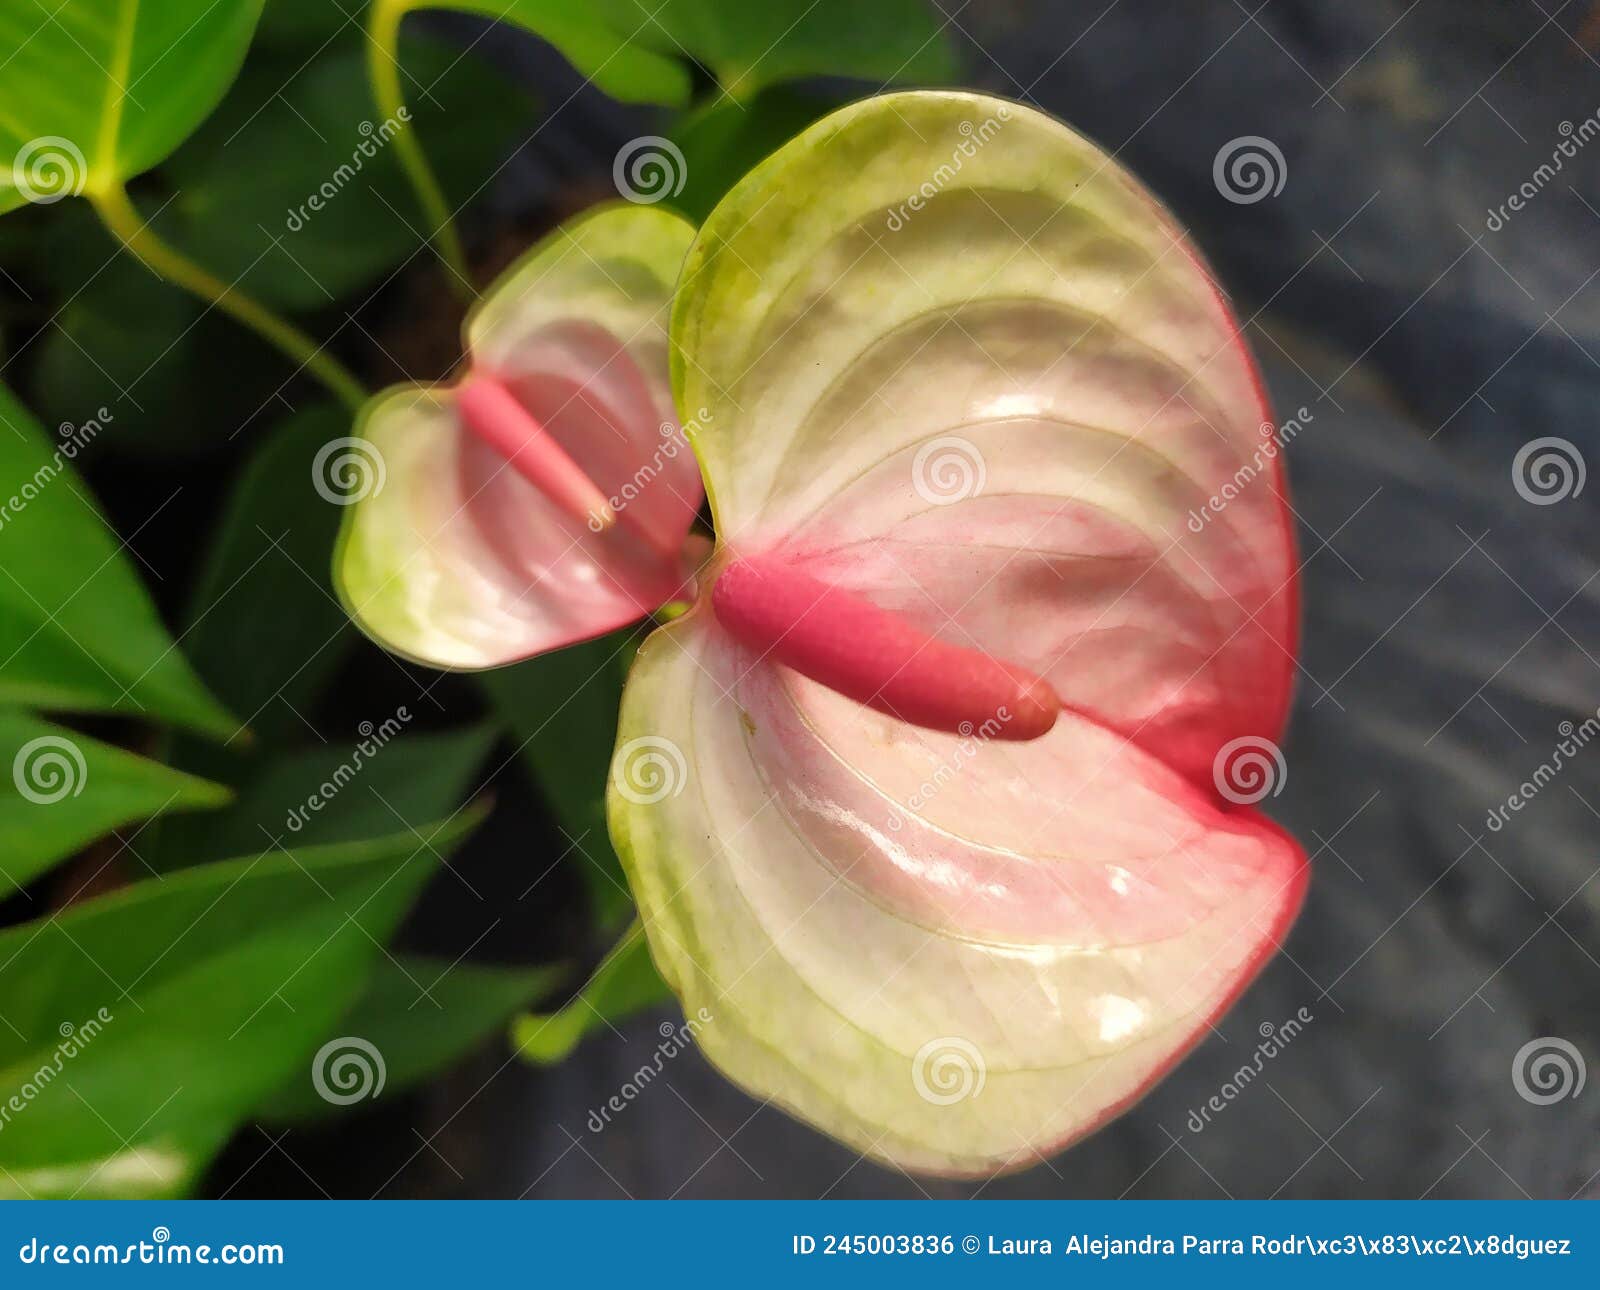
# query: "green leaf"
265 629
324 208
421 1015
77 630
562 708
187 999
750 46
65 790
100 90
180 377
337 794
725 139
308 25
603 42
626 982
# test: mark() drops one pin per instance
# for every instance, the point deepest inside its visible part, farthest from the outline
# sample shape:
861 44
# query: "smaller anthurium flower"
925 801
545 496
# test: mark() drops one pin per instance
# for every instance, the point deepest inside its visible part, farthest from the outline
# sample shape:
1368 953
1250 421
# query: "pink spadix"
845 642
495 415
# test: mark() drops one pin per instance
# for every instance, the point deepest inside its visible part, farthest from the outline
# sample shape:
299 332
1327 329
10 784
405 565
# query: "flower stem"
383 70
118 213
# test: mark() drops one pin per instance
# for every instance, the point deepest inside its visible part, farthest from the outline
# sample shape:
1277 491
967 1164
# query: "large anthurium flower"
920 800
544 497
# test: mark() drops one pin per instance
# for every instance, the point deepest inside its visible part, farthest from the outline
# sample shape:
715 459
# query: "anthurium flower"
545 496
918 800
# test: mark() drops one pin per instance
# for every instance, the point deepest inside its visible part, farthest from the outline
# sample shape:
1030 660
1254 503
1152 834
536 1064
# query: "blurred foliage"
210 987
626 982
78 630
204 868
421 1014
561 709
313 136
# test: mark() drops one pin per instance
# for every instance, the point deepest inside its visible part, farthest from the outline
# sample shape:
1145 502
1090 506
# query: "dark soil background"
1450 626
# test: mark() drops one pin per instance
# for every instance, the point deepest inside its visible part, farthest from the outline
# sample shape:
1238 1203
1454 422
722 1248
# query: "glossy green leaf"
369 787
77 630
64 790
626 982
145 1025
97 91
602 42
422 1015
322 208
562 710
749 46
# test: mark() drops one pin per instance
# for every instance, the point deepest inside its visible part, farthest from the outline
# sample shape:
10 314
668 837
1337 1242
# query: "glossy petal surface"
957 362
457 559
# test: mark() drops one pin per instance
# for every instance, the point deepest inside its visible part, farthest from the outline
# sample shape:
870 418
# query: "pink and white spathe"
941 851
546 497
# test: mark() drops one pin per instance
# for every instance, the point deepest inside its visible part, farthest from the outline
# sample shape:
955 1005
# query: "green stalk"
383 71
118 213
